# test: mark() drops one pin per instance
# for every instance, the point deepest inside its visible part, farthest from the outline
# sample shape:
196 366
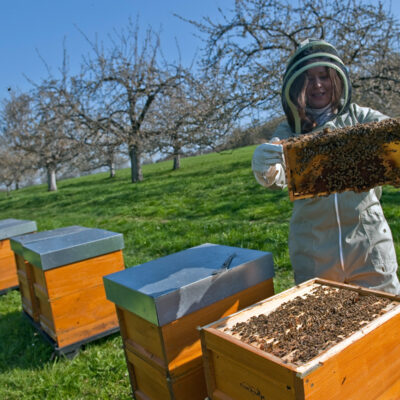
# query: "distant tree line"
129 101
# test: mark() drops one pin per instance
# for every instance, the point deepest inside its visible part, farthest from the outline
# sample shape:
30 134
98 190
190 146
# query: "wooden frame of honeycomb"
355 158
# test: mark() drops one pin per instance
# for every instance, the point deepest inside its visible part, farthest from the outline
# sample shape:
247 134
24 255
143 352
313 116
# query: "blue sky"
31 26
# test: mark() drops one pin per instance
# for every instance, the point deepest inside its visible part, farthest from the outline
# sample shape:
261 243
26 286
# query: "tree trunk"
177 162
112 169
177 154
136 167
51 179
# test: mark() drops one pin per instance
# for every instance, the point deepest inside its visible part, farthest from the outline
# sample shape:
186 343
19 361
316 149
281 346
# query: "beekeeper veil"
312 53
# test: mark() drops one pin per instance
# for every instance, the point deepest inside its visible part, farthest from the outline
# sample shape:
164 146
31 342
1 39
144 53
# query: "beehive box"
161 303
355 158
60 273
267 352
8 270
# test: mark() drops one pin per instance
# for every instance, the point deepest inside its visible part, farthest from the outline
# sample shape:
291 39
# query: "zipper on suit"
339 231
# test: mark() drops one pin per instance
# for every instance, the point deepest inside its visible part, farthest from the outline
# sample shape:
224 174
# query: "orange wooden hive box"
161 303
364 365
60 273
8 269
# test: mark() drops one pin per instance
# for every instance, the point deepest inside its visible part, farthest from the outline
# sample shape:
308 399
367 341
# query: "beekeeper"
344 236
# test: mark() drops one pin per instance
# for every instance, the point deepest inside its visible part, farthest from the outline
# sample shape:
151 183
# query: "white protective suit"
345 236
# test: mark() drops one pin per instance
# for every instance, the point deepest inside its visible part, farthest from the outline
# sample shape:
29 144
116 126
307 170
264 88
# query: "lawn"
213 198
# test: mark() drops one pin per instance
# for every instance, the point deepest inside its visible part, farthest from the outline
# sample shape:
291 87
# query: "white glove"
267 164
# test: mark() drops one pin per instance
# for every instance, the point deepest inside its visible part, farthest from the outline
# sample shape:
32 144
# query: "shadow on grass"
21 346
103 343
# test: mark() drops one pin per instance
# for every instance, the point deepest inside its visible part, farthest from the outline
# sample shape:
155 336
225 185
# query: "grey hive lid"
12 227
170 287
19 242
54 248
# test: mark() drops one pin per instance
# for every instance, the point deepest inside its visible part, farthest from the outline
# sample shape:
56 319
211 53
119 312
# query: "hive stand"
161 304
8 269
60 274
365 365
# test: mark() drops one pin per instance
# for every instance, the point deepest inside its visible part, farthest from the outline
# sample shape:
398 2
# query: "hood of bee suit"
313 53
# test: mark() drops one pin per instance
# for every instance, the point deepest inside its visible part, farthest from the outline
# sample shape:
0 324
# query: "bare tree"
6 174
196 115
254 40
15 166
172 124
177 120
132 75
43 122
105 151
54 136
42 125
103 129
99 149
380 87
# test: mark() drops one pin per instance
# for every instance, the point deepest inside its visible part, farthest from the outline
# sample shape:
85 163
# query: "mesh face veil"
313 53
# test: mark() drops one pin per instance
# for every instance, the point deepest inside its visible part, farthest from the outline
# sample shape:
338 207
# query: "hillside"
213 198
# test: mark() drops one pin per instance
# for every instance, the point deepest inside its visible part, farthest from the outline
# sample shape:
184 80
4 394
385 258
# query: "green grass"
213 198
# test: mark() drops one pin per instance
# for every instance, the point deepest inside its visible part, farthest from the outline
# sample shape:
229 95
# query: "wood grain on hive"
60 273
161 304
8 270
364 365
355 158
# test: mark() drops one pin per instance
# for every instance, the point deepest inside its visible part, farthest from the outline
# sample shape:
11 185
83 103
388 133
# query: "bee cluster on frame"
354 158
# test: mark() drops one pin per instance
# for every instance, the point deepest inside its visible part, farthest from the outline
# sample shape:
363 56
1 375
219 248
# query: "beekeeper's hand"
268 164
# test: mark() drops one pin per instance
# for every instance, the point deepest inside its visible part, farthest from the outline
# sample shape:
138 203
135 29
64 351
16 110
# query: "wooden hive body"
165 362
179 293
8 269
365 365
355 158
68 302
72 302
30 303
